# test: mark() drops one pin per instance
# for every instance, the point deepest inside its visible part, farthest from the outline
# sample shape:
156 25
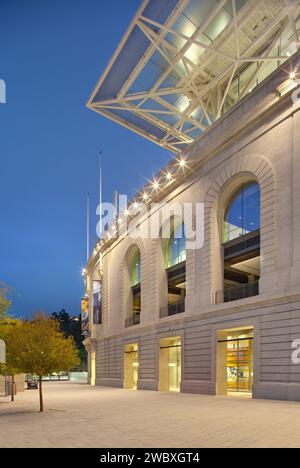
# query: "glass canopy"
183 63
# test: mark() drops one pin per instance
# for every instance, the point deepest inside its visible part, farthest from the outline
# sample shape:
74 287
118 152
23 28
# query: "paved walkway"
81 416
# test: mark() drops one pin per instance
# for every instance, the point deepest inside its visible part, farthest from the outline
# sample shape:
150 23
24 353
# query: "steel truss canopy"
184 63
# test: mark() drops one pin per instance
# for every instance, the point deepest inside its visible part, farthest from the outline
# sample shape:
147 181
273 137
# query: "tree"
71 326
7 333
40 348
4 302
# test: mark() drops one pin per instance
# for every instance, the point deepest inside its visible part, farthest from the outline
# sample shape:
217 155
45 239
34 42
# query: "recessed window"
135 289
175 271
242 215
175 248
135 269
241 243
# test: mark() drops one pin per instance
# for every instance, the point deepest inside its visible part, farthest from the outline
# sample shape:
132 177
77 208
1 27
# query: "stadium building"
217 84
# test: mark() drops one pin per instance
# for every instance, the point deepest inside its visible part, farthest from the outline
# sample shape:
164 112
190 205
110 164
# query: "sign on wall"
97 302
2 352
84 315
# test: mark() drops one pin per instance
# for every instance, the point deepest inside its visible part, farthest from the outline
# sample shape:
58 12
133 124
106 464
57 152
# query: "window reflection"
243 213
175 251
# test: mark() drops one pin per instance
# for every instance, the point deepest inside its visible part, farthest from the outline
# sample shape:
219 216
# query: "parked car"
32 383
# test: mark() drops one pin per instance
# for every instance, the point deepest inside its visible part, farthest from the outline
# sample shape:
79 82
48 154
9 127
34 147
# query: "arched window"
242 214
134 313
135 268
175 247
175 256
241 242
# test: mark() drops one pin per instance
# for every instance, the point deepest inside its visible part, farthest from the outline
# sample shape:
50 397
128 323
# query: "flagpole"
88 226
100 195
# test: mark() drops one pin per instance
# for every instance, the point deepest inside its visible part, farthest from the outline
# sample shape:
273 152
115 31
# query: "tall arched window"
135 268
175 270
242 214
175 247
241 242
135 286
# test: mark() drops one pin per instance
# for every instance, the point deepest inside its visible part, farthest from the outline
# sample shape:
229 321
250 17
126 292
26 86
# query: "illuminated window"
175 271
242 215
135 286
241 243
175 248
135 269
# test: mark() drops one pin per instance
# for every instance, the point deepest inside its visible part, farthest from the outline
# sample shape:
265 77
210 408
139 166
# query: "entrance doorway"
170 364
235 362
131 366
93 368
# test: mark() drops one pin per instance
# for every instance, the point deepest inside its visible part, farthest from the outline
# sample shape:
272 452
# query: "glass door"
240 364
174 368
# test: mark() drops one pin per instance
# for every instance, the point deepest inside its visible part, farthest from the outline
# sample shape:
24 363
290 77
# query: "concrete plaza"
81 416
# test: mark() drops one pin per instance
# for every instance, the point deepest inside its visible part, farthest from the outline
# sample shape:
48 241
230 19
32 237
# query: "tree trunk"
41 394
12 394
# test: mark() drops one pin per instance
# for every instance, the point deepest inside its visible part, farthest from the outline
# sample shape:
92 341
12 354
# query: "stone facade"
19 381
258 139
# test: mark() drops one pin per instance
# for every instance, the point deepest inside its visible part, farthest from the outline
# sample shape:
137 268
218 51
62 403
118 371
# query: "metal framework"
184 63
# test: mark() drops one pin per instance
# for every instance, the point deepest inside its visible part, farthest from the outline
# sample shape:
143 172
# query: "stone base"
118 383
147 384
198 386
277 391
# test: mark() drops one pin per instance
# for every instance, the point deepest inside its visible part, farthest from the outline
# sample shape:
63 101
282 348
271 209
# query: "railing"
177 259
133 320
241 291
172 309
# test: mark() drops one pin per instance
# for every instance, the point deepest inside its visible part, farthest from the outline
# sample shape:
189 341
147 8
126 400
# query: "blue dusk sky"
52 54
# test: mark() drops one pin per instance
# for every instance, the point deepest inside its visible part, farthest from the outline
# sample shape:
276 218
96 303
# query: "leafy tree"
71 326
4 302
7 333
40 348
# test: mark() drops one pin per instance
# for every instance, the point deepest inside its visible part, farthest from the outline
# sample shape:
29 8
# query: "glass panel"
135 273
131 366
240 365
174 368
175 252
243 213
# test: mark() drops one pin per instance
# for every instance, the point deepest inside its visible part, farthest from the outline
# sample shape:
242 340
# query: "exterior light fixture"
182 163
83 272
145 196
135 205
288 85
126 212
155 185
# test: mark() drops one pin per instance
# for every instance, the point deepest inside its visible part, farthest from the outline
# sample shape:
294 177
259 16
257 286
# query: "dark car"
32 383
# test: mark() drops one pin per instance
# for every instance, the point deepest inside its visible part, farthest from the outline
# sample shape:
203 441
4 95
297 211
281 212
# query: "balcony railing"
132 320
172 309
241 291
181 257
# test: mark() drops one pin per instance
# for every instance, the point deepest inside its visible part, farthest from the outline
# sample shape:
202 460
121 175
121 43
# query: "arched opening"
135 288
131 366
175 257
241 242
